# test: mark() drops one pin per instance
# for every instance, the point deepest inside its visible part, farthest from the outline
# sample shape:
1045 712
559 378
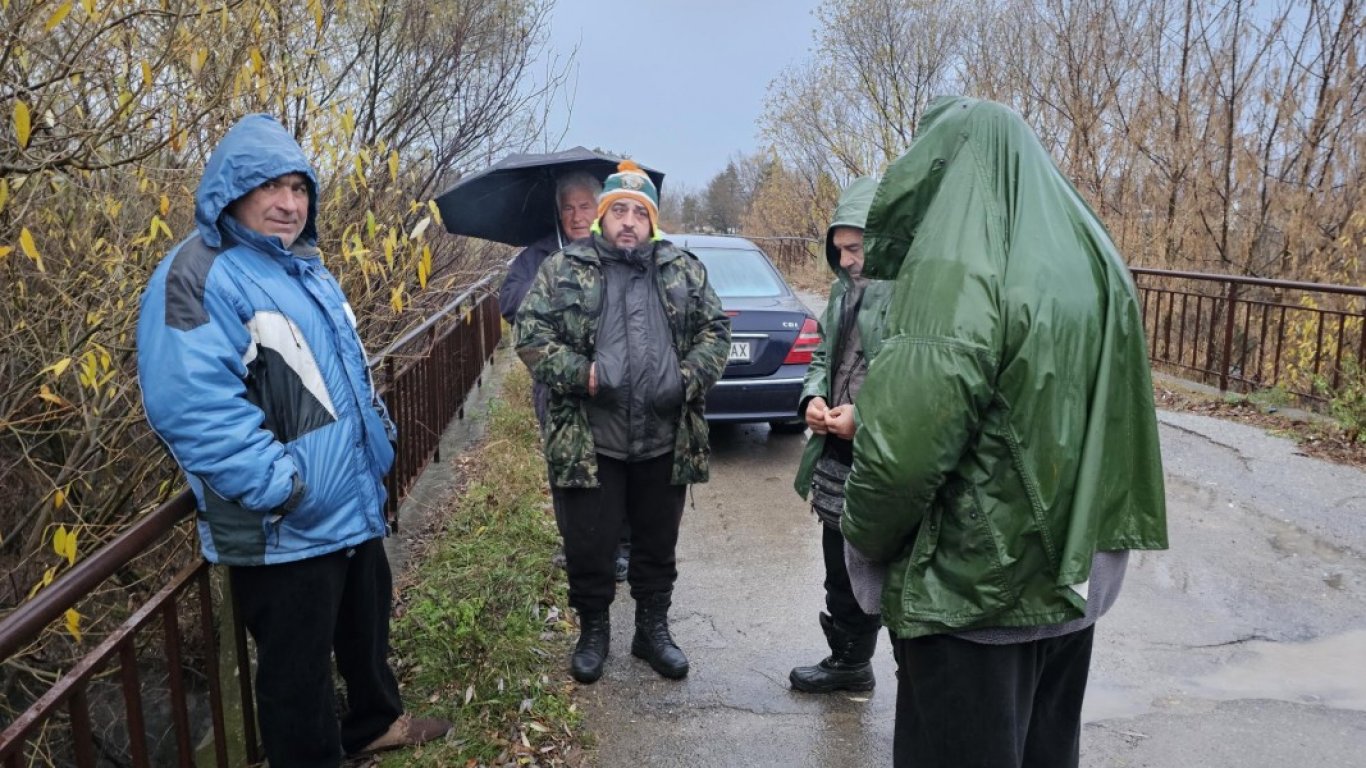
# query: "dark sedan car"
772 334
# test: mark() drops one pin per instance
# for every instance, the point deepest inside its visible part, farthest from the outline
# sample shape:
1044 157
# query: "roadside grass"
481 634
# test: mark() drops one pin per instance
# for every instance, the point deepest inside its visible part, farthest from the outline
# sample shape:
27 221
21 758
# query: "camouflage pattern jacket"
555 333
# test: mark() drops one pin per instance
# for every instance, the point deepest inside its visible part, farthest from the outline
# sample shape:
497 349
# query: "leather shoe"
408 731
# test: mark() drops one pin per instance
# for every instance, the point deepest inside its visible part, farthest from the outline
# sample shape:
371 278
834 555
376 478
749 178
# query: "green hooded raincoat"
852 211
1006 427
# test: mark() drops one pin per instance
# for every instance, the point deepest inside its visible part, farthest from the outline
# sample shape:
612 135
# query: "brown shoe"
408 731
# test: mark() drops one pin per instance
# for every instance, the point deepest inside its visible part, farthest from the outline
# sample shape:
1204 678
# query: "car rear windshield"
736 272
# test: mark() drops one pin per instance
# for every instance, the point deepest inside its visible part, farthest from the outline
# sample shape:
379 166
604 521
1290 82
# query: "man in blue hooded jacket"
254 378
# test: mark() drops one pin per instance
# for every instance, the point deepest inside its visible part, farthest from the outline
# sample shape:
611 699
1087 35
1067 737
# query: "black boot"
653 642
847 668
595 636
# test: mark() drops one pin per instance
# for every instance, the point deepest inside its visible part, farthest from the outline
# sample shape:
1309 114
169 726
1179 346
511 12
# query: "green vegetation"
1347 402
483 633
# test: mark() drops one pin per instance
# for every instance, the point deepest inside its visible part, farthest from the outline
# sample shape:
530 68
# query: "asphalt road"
1243 646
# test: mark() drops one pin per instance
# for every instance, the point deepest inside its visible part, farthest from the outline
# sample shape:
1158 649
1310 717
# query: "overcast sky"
677 84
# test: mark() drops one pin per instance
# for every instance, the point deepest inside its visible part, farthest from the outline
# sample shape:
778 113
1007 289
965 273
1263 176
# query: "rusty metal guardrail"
1249 333
1243 333
426 376
422 368
790 252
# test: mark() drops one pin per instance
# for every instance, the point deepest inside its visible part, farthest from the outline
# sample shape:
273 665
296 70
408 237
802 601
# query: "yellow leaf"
396 298
57 16
69 550
258 62
58 501
4 193
48 576
197 59
30 248
22 126
44 393
424 266
89 6
157 226
146 73
436 212
73 623
6 250
316 7
57 368
165 205
389 251
393 166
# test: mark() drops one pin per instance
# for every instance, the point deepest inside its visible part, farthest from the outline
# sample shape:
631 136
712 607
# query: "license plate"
739 352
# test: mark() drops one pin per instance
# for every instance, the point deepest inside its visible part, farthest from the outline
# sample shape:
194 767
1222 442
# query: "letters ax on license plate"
739 352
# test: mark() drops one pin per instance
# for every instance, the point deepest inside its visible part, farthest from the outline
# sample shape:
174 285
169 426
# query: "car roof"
700 240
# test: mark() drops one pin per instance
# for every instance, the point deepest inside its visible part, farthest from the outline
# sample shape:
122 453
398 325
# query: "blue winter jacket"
254 377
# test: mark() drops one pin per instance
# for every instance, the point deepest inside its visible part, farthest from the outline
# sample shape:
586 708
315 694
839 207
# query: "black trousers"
961 704
540 399
839 594
638 493
300 614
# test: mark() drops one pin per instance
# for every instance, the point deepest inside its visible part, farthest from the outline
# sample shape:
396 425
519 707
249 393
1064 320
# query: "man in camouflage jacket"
628 335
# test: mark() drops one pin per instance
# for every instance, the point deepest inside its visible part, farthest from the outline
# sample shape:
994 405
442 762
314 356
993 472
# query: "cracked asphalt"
1244 645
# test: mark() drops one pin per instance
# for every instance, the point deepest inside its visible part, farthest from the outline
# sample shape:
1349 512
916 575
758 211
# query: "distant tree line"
1217 136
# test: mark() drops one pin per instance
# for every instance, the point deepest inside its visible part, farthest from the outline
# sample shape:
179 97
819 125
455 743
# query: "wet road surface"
745 608
1244 645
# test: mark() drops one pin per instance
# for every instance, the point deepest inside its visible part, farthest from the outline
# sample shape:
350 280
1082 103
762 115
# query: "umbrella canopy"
513 202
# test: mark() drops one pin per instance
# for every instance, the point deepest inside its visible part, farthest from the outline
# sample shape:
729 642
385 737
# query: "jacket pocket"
305 514
955 573
668 396
610 372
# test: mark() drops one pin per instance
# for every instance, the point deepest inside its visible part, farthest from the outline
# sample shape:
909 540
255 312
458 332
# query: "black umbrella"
513 202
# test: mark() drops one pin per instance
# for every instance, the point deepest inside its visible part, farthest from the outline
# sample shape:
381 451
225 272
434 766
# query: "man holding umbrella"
576 202
628 335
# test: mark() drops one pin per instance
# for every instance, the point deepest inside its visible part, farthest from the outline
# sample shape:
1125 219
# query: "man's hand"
592 379
815 415
839 421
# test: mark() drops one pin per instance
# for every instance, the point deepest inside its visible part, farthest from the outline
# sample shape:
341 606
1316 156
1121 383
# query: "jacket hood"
254 151
947 126
851 211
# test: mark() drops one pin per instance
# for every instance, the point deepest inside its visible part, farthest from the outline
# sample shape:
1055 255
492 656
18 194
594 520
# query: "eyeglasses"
619 210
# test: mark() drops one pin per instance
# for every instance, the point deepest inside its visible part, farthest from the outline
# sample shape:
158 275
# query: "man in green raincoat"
1006 456
850 330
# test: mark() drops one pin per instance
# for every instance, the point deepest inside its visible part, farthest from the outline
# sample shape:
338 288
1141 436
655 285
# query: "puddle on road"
1329 671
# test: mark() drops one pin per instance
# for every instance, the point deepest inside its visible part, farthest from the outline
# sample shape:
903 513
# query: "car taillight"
807 340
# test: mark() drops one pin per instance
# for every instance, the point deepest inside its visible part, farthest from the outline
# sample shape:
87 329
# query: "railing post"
1227 362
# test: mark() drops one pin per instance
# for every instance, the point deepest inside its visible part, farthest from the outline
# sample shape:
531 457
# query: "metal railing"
422 369
790 252
1248 333
1242 333
426 374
